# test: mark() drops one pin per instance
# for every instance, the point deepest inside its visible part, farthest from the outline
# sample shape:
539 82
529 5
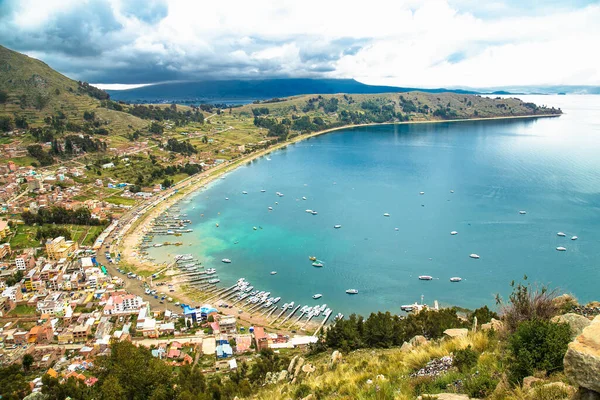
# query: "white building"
123 304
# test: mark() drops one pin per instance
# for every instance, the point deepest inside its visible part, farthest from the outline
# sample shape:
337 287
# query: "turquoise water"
548 167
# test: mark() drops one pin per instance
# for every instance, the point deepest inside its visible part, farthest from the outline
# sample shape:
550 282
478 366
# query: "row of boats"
430 278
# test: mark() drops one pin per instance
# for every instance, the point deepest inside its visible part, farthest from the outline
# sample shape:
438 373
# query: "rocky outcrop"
494 324
564 302
435 367
530 381
336 358
576 322
418 340
458 332
582 361
444 396
584 394
406 347
282 376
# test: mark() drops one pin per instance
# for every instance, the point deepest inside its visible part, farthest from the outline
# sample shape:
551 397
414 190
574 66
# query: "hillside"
249 90
32 89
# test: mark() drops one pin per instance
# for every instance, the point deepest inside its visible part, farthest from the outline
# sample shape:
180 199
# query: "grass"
120 200
23 309
24 236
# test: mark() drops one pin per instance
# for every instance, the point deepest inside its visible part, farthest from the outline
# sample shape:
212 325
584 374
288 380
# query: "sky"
410 43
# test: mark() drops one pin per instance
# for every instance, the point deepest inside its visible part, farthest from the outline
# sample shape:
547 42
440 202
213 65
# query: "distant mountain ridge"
249 90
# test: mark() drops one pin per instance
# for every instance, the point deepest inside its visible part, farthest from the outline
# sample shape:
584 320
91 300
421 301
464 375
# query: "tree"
111 389
537 345
6 123
13 385
3 96
156 128
27 361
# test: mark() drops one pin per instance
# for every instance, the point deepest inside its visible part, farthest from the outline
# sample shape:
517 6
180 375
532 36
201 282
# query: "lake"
548 167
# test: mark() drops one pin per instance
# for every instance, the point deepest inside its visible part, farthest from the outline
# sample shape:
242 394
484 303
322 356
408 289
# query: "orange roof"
259 333
52 373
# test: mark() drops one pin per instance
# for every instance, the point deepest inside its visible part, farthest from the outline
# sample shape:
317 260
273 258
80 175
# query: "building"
227 324
4 250
6 306
123 304
81 332
60 248
4 229
261 338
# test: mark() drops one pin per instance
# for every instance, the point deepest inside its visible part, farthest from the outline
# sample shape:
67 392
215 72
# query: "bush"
302 391
537 345
480 385
483 314
465 359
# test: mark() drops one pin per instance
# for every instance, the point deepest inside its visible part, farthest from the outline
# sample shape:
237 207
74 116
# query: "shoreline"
131 238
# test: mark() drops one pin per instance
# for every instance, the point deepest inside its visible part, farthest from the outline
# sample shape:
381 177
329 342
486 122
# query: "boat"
303 198
262 190
317 264
522 212
352 291
268 159
454 233
475 256
337 226
314 213
217 225
317 296
455 279
562 234
210 271
452 191
255 228
408 307
270 208
573 237
312 258
213 281
560 248
226 198
273 272
421 193
425 277
309 211
386 214
244 192
226 261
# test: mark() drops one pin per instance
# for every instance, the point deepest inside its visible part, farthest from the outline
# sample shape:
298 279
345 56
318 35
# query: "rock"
585 394
336 357
582 361
282 376
443 396
418 340
380 377
435 367
291 366
459 332
529 381
497 325
309 397
308 368
299 364
564 301
576 322
406 347
558 386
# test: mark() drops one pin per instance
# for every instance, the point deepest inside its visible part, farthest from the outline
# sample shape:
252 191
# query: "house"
174 353
167 328
41 334
227 324
149 329
66 336
243 343
20 338
6 306
4 250
261 338
124 304
60 248
224 350
4 229
81 332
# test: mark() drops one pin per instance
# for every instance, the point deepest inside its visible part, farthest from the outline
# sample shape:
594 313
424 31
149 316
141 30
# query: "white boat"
421 193
213 281
352 291
210 271
452 191
454 233
303 198
317 296
562 234
309 211
396 229
273 272
522 212
455 279
425 277
317 264
226 260
244 192
386 214
314 213
337 226
270 208
268 159
262 190
560 248
573 237
475 256
158 244
226 198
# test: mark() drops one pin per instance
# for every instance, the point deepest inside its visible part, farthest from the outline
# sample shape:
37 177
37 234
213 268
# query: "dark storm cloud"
87 41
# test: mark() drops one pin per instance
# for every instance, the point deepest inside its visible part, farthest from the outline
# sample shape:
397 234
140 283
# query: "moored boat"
317 296
573 237
337 226
454 233
317 264
560 248
475 256
226 261
352 291
562 234
425 277
455 279
273 272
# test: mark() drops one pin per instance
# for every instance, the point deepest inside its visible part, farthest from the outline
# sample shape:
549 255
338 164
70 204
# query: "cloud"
408 43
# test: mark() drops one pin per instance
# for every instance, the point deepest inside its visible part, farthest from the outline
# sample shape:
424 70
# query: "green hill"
30 88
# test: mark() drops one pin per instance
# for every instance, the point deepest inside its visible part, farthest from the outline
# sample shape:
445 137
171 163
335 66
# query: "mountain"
244 91
554 89
30 88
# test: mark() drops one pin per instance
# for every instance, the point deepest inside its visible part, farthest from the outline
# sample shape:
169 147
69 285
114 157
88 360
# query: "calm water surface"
548 167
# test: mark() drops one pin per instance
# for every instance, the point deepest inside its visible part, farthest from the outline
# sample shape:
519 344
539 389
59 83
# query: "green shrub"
465 359
480 385
302 391
537 345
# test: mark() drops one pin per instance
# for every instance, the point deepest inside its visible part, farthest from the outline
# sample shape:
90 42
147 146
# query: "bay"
548 167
